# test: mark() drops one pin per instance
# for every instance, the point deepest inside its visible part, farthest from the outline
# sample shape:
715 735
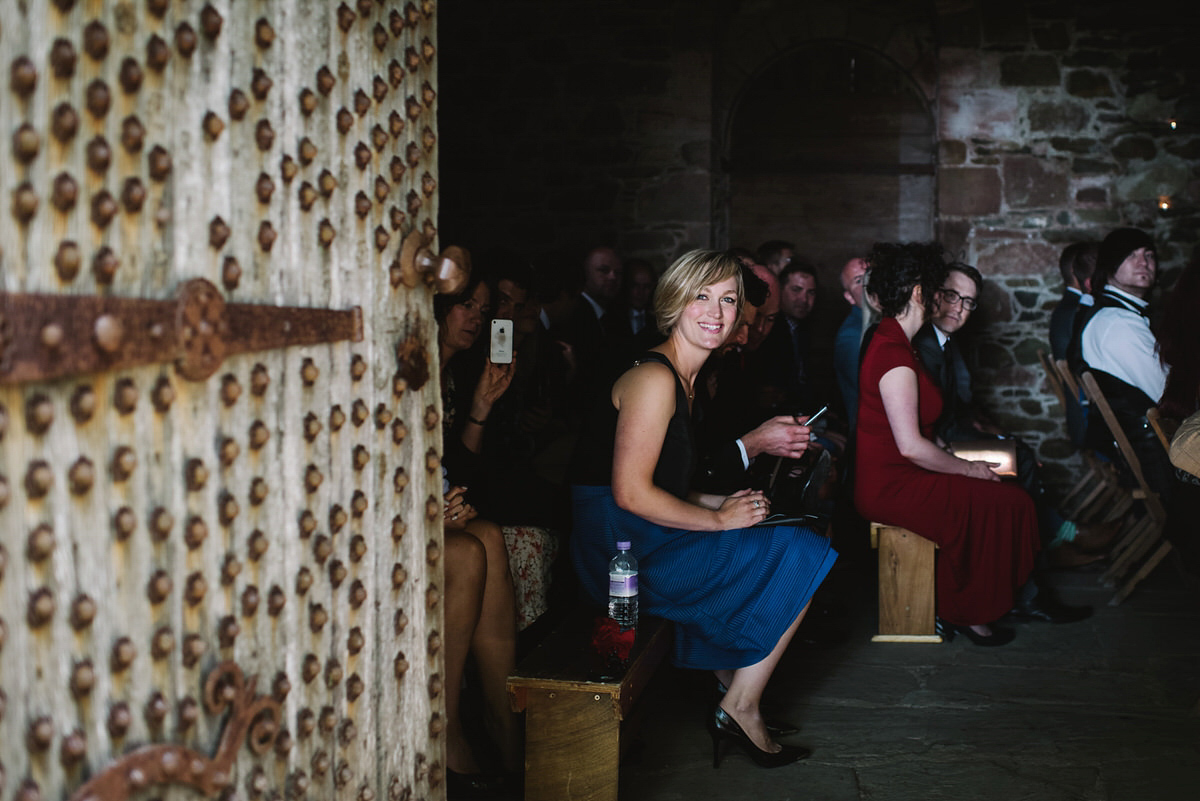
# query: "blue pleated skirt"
731 594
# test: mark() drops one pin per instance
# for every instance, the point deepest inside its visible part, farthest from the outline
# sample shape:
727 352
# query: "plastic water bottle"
623 588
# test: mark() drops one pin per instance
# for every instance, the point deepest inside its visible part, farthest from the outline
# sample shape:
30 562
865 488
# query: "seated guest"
469 390
962 420
1115 342
639 328
775 255
529 419
730 438
480 620
782 364
590 331
848 341
736 591
987 530
1076 265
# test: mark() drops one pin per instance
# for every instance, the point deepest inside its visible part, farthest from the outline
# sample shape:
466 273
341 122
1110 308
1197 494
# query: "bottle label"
622 586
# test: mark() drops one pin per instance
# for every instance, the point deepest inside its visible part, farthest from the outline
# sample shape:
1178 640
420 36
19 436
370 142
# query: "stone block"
1025 298
1073 145
1058 116
1019 258
1089 84
1188 149
989 113
680 197
1035 69
1026 351
1051 37
968 191
952 152
1092 167
954 234
1093 58
1031 182
1161 178
1091 194
1135 147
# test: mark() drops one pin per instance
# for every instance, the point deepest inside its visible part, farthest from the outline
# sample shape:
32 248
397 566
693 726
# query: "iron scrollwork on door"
253 718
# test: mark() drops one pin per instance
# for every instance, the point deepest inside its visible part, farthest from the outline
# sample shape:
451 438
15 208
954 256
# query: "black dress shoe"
1048 610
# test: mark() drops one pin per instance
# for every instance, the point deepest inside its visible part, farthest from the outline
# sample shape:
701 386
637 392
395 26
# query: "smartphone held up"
501 351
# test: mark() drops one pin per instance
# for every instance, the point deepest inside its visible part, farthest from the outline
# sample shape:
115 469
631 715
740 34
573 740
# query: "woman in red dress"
986 530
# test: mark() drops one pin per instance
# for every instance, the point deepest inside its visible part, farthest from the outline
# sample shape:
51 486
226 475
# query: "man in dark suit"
781 364
590 331
962 421
1076 264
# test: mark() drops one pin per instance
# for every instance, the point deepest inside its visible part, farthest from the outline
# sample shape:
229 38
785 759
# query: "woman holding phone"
735 591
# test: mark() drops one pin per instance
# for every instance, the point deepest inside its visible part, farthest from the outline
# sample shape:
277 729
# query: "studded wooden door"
201 479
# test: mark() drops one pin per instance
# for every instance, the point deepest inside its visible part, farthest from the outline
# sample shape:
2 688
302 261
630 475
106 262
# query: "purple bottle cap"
622 546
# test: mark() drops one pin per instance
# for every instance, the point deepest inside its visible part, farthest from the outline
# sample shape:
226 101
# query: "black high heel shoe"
723 727
775 726
999 636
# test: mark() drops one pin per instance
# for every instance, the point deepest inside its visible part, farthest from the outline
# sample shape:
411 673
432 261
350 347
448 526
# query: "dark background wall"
1007 130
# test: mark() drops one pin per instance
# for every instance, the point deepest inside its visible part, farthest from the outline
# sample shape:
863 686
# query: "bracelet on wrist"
475 420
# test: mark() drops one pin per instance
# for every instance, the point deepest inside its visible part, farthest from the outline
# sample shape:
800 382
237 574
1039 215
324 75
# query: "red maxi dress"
986 530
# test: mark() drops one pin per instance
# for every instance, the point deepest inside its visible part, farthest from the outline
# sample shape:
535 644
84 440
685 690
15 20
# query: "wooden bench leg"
572 746
906 587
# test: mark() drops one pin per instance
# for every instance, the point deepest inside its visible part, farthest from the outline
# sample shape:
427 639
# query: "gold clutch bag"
1002 453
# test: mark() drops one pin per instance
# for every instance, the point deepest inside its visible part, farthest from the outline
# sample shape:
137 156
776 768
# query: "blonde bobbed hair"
684 279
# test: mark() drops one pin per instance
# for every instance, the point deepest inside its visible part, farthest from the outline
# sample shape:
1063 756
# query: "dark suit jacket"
949 371
773 368
1062 320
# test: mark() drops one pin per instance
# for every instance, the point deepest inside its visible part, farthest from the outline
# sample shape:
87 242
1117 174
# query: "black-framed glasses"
951 297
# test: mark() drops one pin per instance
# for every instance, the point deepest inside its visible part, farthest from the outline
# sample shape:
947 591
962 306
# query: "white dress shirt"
1119 342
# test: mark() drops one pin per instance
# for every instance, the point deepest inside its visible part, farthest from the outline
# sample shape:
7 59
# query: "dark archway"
831 145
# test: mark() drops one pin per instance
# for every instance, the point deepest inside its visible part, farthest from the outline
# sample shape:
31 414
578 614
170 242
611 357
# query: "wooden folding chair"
1052 377
1164 427
1147 532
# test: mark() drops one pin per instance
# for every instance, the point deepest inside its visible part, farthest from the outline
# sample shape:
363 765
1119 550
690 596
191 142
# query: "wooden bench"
573 723
907 582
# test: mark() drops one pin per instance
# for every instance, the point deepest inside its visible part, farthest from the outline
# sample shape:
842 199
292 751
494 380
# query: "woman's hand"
981 470
493 382
457 512
743 509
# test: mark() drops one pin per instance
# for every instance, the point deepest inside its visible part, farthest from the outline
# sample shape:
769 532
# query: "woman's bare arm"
645 401
898 387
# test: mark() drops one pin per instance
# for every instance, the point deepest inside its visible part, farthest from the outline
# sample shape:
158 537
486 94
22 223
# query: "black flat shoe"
723 727
775 726
477 786
999 636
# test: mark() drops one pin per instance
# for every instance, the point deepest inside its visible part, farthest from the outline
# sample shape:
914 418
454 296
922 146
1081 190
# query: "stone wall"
1055 127
570 122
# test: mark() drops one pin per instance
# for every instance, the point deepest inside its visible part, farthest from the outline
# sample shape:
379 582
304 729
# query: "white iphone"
502 342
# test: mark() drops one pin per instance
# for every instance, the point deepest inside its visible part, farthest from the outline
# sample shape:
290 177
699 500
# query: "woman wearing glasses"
987 531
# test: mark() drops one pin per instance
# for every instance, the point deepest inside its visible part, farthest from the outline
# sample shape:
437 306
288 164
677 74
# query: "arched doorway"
831 146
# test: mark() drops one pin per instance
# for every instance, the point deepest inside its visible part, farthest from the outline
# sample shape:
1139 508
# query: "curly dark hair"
1179 344
897 267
